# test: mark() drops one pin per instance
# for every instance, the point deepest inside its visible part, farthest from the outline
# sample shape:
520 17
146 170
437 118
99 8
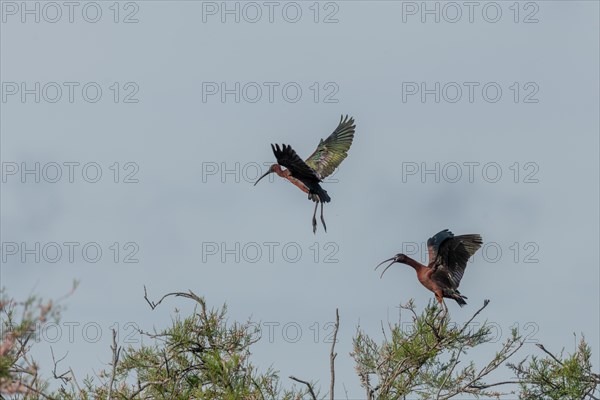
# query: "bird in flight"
308 174
448 256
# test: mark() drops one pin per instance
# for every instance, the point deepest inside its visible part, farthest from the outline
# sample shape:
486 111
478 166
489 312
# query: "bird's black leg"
322 220
314 220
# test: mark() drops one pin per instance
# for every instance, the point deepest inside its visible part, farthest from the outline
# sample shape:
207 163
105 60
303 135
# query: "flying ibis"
307 175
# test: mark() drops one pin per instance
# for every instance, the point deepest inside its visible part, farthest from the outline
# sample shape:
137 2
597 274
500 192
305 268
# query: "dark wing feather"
434 242
333 150
287 157
453 253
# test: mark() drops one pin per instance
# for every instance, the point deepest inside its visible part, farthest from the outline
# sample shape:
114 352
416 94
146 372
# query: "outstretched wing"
333 150
451 254
434 242
287 157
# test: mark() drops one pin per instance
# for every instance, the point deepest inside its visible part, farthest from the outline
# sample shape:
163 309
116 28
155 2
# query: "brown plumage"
448 257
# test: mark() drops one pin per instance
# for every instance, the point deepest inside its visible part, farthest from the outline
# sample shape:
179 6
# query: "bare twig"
153 304
333 354
345 391
487 386
504 354
116 352
145 385
75 379
485 304
454 364
589 393
541 346
310 388
63 377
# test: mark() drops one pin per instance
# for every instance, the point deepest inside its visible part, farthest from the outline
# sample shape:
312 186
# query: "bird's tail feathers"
319 195
459 298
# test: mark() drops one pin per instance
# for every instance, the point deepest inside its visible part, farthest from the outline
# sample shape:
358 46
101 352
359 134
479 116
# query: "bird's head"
398 258
273 168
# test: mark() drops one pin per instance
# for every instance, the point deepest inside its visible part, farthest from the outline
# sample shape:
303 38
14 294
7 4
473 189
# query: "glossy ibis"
448 256
308 174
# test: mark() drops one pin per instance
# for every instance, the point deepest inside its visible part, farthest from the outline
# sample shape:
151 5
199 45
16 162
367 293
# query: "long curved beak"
266 173
393 260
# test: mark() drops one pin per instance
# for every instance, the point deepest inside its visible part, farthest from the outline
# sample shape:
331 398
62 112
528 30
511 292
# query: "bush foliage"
204 356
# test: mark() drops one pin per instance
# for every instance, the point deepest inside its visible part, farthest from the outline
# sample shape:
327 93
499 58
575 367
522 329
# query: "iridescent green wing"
333 150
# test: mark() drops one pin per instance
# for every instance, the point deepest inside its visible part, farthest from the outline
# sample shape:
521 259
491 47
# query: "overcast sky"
485 121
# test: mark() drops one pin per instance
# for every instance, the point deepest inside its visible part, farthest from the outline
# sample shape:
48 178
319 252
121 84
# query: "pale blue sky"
179 212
